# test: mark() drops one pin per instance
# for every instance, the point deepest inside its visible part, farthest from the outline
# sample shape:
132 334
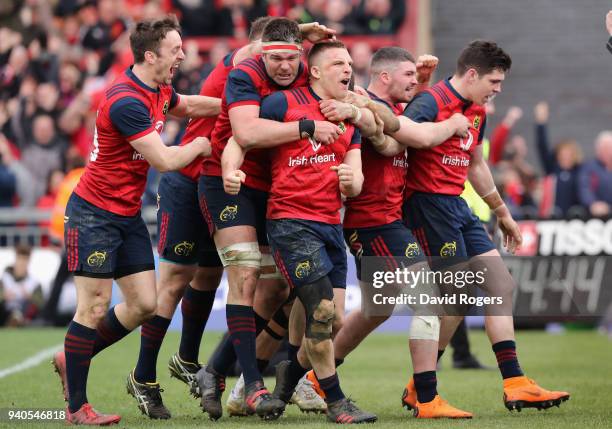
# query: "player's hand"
511 233
315 32
425 66
204 145
232 181
609 22
461 123
336 111
345 176
512 116
540 112
358 100
326 132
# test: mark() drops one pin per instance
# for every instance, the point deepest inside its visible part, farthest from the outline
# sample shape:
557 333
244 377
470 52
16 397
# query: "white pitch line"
31 361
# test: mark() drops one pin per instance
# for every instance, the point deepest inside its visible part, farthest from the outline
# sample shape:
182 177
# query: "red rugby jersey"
116 175
202 127
444 168
303 185
247 84
380 200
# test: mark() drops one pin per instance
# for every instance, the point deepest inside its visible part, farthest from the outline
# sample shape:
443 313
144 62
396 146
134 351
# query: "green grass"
374 375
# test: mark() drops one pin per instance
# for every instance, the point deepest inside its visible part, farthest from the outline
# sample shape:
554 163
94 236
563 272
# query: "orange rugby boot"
409 397
438 408
310 376
522 392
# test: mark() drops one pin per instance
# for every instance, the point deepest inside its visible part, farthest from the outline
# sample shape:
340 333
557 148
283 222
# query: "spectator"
21 296
339 17
361 53
24 191
101 36
561 166
44 154
609 28
499 136
376 16
595 178
309 11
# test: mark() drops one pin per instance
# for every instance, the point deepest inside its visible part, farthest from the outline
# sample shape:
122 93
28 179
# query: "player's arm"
361 117
259 124
196 106
131 118
430 134
481 179
315 32
383 112
231 160
170 158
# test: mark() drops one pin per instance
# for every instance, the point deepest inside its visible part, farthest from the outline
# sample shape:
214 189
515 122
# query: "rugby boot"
409 396
59 363
344 411
522 392
185 372
210 388
438 408
307 399
148 397
236 405
86 415
260 401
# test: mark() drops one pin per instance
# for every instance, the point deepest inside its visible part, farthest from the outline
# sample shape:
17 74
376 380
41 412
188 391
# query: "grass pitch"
374 375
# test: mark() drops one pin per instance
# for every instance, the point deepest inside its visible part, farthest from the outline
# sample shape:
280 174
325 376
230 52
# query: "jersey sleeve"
423 108
240 89
130 116
482 129
274 107
355 140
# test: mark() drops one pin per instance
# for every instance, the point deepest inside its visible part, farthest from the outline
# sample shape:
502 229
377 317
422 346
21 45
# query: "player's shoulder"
253 67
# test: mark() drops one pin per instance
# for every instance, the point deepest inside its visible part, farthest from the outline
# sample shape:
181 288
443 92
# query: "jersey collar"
140 83
454 91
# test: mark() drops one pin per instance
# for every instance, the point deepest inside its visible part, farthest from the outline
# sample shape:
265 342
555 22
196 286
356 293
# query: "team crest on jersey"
465 144
96 259
302 270
229 213
476 123
449 249
165 108
315 144
184 248
412 250
342 127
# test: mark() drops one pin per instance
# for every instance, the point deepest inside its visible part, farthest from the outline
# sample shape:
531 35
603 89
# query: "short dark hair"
23 249
484 56
257 27
283 30
148 34
389 56
318 48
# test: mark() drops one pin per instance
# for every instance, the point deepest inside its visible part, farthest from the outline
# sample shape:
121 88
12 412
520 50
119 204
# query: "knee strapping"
242 254
425 328
269 270
317 299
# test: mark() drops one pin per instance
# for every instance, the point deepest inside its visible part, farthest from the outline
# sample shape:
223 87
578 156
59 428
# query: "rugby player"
451 236
105 235
303 217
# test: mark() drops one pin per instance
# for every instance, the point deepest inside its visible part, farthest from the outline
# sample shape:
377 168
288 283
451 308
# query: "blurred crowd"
57 56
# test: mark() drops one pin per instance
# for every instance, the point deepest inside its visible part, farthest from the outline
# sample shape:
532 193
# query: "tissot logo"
575 237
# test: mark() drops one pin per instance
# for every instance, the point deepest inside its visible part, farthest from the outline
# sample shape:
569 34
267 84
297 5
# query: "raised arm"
196 106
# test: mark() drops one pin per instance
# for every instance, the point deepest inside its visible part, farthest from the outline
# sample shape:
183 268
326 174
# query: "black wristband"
609 45
307 128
